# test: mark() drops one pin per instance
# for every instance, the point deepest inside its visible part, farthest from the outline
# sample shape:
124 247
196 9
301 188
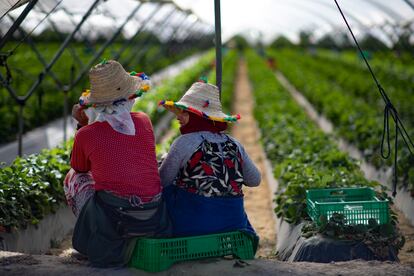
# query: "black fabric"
320 249
325 250
98 236
127 226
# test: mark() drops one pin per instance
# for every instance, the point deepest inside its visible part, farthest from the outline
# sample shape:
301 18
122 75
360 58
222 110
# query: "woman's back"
205 169
209 164
123 164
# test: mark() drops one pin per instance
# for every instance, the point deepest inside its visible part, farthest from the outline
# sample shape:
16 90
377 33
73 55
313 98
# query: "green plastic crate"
155 255
358 205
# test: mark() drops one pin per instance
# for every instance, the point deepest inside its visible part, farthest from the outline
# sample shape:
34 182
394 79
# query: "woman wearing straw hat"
114 186
205 169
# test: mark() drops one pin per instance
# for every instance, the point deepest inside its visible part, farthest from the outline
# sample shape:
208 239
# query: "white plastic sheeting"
7 5
261 19
105 19
267 19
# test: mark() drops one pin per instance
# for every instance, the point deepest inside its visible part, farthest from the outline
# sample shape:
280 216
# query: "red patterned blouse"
123 164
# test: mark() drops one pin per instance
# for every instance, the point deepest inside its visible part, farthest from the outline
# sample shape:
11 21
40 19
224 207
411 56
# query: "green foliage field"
47 101
342 89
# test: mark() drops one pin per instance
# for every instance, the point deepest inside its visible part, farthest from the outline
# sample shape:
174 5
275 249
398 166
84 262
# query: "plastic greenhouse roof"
267 19
260 19
105 19
7 5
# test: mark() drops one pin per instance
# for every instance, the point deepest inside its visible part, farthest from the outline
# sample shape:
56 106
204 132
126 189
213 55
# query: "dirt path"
257 200
22 264
406 254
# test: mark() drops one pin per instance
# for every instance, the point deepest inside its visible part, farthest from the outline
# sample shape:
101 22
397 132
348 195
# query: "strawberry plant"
349 100
303 156
32 187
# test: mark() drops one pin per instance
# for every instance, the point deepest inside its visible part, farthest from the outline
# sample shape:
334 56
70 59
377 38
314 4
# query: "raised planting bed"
305 158
39 238
348 98
391 70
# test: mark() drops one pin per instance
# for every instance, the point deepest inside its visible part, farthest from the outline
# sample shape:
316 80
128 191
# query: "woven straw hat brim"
202 99
217 116
110 83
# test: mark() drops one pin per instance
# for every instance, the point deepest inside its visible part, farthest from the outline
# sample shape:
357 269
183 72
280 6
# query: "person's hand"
161 159
79 115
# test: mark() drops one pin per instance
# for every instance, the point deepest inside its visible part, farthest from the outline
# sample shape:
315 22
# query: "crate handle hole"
354 207
337 193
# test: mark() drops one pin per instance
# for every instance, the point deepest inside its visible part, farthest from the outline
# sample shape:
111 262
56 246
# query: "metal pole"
62 37
82 35
66 90
388 11
39 56
136 56
20 134
164 45
131 39
103 47
65 111
61 49
409 4
12 92
17 23
218 44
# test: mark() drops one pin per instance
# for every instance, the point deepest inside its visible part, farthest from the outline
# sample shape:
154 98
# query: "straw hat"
202 99
110 83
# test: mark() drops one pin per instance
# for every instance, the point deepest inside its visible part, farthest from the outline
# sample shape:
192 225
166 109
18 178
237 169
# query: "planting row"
304 158
389 64
355 117
357 81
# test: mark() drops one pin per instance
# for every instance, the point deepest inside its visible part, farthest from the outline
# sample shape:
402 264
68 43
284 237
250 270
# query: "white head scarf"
117 115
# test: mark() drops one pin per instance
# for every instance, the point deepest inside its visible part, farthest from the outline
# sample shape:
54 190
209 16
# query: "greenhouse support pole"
17 23
191 36
21 124
191 31
83 36
137 32
409 4
180 26
66 90
218 44
61 49
22 99
136 56
103 47
56 30
65 111
164 45
39 56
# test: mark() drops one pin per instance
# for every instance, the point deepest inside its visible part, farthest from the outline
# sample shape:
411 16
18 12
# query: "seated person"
114 187
205 169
